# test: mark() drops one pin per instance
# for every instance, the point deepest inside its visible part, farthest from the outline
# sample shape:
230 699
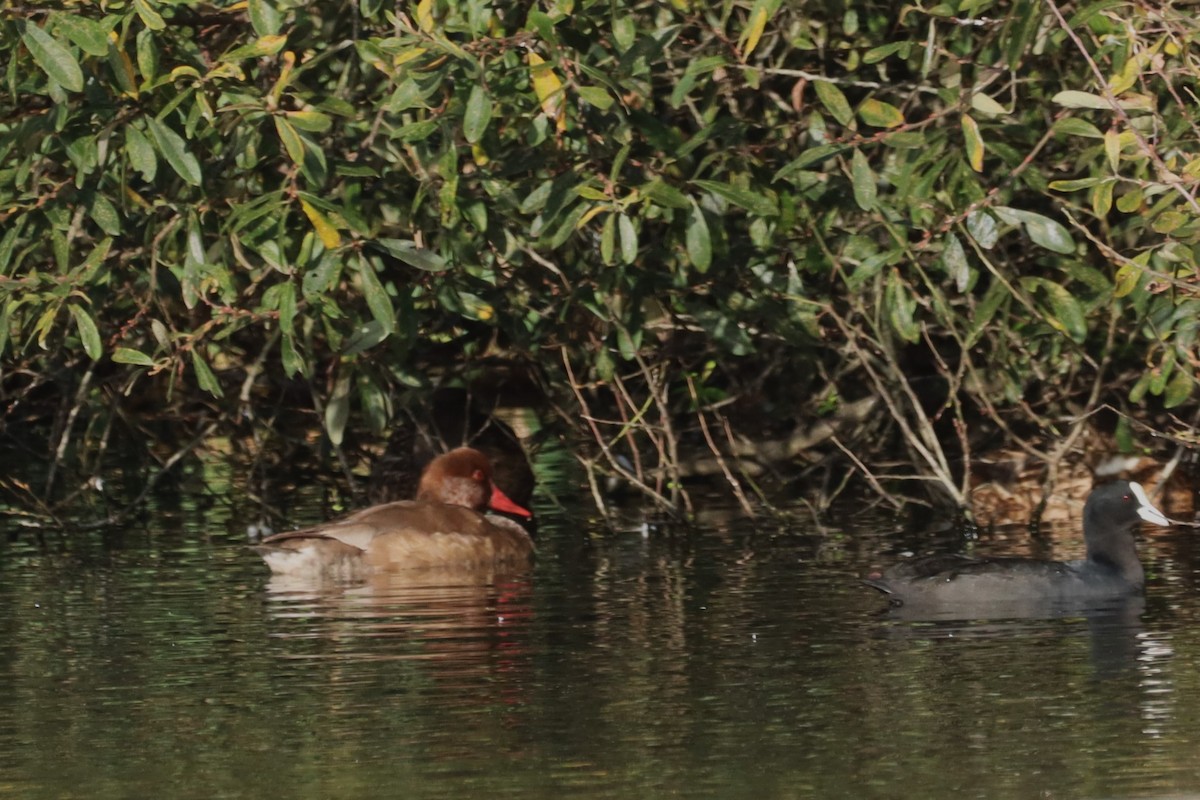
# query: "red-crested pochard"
447 526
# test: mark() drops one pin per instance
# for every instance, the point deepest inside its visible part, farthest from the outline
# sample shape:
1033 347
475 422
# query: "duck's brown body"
443 528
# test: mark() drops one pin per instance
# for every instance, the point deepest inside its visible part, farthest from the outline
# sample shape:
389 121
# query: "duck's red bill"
501 502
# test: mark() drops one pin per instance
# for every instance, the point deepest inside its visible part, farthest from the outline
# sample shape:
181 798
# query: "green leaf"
1025 17
140 152
877 54
365 336
105 215
337 411
1102 199
983 229
261 47
901 308
666 195
88 333
954 259
87 34
287 307
1178 389
1072 98
127 355
290 138
1072 126
417 131
1076 185
1138 392
987 105
1049 234
53 57
627 236
312 121
863 179
147 60
762 205
834 101
292 361
1112 148
376 296
608 241
993 298
174 150
880 114
374 402
1127 279
1131 201
1065 312
9 242
809 156
1168 222
419 257
204 375
149 14
595 96
699 243
478 114
264 17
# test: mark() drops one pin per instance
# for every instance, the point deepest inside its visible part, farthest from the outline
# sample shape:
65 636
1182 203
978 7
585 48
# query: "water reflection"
463 622
734 659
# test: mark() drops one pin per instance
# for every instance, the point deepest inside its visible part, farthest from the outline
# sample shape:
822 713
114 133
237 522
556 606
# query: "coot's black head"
1119 506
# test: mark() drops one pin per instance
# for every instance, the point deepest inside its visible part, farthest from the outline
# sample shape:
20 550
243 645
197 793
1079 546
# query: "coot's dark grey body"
1111 569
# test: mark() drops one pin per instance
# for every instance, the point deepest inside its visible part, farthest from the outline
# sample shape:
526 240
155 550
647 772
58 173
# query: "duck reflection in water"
468 630
438 579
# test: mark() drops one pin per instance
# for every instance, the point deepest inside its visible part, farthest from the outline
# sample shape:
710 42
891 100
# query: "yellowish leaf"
135 198
1128 76
287 62
974 142
589 215
880 114
128 78
321 224
549 89
754 30
406 56
480 155
425 15
180 72
1102 199
1112 148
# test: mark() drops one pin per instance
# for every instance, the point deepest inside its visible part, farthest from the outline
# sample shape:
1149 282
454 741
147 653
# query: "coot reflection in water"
1116 635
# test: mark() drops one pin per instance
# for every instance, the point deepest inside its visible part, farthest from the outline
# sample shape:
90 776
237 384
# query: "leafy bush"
676 215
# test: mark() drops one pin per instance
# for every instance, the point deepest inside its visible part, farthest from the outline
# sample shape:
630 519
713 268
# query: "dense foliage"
684 222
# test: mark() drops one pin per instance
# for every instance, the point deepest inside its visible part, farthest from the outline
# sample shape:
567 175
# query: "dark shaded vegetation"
757 240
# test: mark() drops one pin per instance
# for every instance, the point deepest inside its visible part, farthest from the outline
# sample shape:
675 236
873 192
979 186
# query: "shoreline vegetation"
944 255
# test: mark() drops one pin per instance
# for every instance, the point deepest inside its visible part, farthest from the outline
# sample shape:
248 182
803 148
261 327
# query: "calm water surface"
739 659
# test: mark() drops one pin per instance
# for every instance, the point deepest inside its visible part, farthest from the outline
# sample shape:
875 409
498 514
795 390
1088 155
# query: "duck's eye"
477 475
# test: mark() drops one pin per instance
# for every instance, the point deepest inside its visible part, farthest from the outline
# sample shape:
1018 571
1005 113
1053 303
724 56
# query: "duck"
1110 570
395 473
447 526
